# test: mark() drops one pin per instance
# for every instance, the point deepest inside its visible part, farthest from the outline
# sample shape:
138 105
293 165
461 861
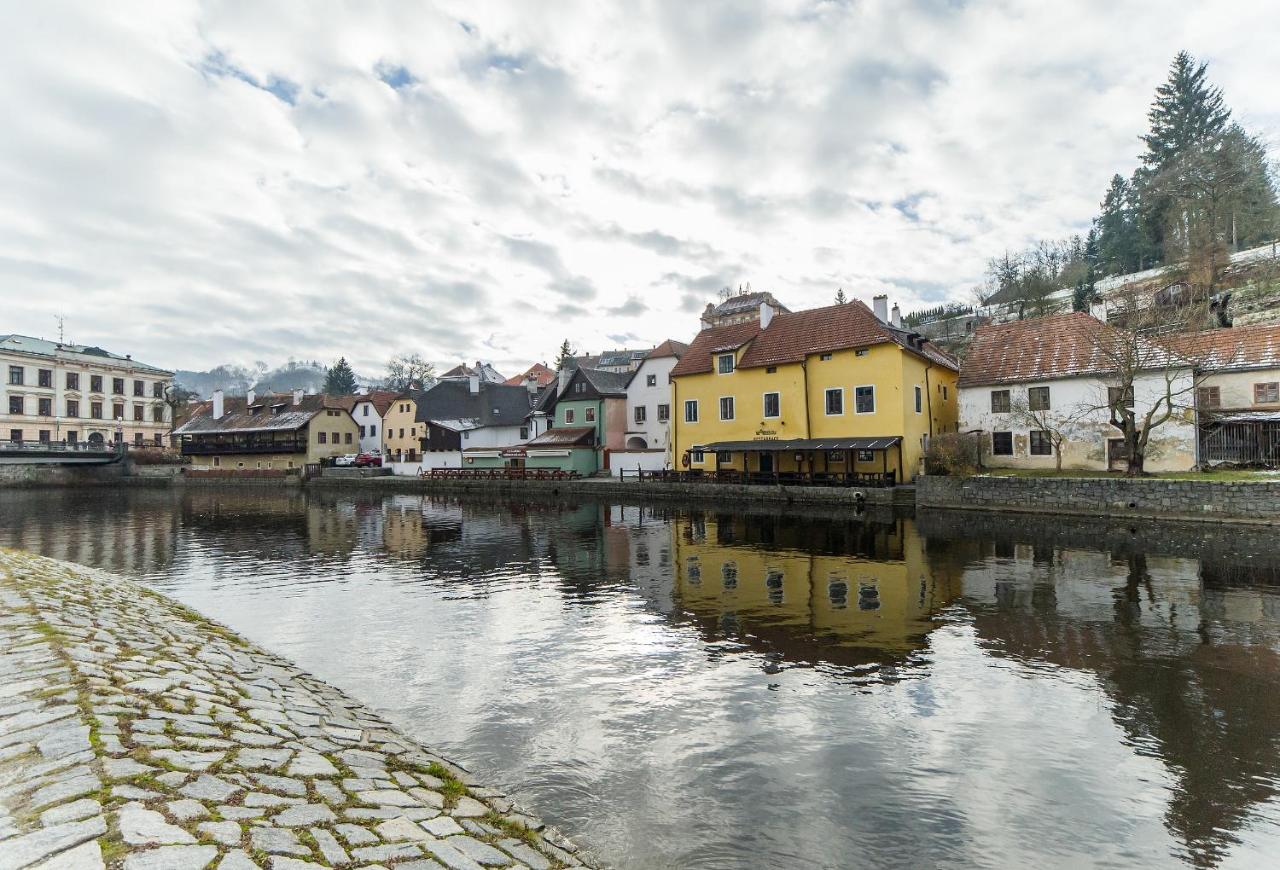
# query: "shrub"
954 454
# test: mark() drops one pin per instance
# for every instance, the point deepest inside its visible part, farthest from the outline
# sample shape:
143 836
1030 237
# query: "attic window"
824 357
771 370
862 351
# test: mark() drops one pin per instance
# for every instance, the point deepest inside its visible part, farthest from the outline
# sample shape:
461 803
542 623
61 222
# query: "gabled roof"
564 436
380 399
670 347
275 412
1048 348
746 301
463 371
792 336
493 405
84 354
540 373
603 383
1238 347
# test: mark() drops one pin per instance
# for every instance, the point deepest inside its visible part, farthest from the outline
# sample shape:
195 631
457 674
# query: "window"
362 434
159 440
919 400
770 370
650 380
568 416
44 377
1266 394
524 433
466 435
1001 443
835 401
73 408
95 410
72 437
137 413
860 352
15 435
157 390
866 455
117 386
137 439
401 434
1000 403
664 413
1040 443
1209 397
15 376
373 430
15 405
590 415
1117 394
724 363
835 456
944 392
336 438
691 412
73 380
322 438
825 357
364 410
695 456
117 411
772 405
864 400
579 387
44 436
346 439
726 407
640 412
1038 398
95 383
46 408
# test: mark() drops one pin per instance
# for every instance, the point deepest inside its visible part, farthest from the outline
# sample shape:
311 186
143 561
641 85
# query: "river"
692 688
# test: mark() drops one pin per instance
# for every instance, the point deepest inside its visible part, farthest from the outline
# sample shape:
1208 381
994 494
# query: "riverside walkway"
136 734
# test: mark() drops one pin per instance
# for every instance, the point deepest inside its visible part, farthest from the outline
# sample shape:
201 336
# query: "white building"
368 411
649 399
1024 380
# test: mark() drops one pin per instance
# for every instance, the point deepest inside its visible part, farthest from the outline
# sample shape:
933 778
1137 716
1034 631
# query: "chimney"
531 383
880 305
896 316
562 378
217 404
473 384
250 396
297 397
708 315
766 315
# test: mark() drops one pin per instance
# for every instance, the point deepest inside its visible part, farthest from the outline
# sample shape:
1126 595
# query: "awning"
777 446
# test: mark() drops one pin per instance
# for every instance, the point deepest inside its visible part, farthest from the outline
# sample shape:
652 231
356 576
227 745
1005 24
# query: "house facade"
70 393
473 423
401 432
595 399
1027 381
269 432
649 399
825 391
368 411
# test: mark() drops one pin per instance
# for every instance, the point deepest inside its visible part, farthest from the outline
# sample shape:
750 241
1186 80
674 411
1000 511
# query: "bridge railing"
41 447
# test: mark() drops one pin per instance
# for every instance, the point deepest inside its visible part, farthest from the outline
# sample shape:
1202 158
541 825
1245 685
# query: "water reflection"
955 689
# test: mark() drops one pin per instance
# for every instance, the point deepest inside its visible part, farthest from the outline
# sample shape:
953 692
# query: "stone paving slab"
136 734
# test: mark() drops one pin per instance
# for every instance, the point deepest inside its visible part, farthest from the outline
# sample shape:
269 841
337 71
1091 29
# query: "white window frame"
650 380
872 388
826 405
688 404
697 457
568 416
733 363
733 408
919 399
764 405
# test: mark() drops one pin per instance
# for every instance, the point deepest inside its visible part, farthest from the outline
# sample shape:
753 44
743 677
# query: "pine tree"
1082 298
339 379
841 299
1116 231
566 353
1187 112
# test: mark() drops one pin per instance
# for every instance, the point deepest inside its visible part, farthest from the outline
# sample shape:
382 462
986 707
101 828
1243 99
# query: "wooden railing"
498 474
773 478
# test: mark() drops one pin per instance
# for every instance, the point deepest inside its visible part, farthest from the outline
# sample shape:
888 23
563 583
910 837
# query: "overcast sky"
197 183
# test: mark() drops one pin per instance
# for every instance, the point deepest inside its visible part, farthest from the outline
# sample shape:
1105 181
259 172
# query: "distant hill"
236 380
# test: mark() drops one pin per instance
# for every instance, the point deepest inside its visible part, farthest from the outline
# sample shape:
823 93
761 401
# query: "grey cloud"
630 308
622 337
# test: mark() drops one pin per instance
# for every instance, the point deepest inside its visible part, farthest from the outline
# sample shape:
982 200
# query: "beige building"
269 432
72 393
402 434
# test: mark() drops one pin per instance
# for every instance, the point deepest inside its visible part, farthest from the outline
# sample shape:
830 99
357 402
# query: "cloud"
424 178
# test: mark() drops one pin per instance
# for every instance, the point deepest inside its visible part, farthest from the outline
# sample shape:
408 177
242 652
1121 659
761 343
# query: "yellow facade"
892 372
402 434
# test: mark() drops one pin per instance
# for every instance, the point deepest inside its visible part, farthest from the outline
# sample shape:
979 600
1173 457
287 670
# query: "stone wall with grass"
1106 496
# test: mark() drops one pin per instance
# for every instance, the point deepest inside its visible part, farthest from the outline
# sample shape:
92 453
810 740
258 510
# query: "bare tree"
1059 424
407 369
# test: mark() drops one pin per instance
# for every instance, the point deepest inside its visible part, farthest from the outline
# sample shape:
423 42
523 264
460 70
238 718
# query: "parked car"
346 460
369 460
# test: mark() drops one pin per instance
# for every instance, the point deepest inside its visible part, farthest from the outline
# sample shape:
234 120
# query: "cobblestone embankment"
136 734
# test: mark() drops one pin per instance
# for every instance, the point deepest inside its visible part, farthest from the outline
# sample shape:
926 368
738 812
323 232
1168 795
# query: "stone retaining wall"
1107 496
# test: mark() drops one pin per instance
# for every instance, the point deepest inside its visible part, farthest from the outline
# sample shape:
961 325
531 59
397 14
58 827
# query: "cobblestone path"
136 734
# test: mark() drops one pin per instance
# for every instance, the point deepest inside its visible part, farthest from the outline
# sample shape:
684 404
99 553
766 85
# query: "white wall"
367 416
492 436
655 434
1171 447
630 460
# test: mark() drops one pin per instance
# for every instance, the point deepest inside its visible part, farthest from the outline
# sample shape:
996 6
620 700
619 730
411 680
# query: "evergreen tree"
565 354
339 379
1187 112
1117 235
841 299
1082 298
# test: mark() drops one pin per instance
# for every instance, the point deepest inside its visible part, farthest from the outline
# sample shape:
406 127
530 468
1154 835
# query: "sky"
202 183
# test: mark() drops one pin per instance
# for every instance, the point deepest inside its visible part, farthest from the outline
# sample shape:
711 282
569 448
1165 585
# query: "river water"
700 689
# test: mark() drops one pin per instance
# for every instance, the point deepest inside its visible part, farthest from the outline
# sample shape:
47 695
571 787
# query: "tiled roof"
1239 347
564 436
1046 348
670 347
542 374
792 336
277 413
84 354
607 383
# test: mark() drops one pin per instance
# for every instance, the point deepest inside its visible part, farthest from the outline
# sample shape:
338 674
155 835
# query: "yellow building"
828 391
271 432
402 434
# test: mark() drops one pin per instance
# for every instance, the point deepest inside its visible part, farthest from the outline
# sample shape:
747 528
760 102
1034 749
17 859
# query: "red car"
369 460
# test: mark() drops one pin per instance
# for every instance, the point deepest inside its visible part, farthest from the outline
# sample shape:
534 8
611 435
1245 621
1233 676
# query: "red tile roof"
1046 348
1239 347
670 347
542 374
791 336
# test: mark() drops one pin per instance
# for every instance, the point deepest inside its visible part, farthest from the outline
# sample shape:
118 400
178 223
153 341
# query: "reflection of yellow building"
884 600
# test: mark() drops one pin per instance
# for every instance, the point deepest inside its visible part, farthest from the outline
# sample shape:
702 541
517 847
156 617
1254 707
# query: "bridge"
59 453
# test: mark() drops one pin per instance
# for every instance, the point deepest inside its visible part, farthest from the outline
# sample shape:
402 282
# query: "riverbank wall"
1137 498
136 734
